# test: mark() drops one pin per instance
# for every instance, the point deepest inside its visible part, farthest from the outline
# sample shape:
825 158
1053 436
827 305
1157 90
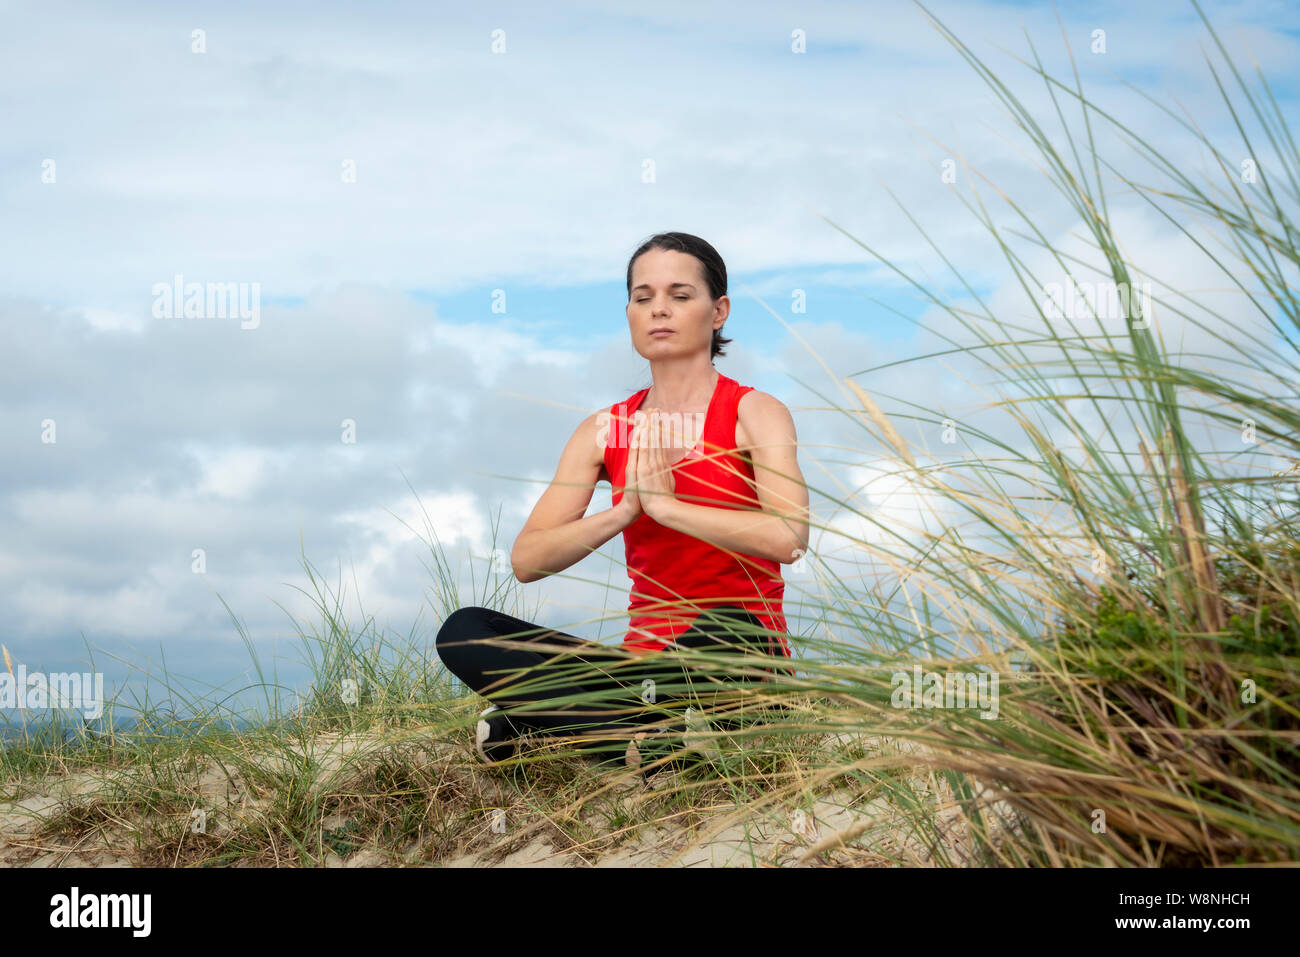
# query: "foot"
633 755
698 735
493 738
661 741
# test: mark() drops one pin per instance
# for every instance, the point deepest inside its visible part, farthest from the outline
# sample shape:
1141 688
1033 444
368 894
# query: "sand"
66 820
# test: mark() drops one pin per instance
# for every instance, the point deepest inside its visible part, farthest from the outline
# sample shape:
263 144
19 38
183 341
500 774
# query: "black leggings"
627 683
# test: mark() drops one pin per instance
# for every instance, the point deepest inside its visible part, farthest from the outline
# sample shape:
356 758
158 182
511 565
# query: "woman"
708 516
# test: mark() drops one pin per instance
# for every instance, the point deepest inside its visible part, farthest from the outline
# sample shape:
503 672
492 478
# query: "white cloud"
231 472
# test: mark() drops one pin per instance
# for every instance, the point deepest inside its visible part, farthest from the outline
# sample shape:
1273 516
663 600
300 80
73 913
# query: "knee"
462 625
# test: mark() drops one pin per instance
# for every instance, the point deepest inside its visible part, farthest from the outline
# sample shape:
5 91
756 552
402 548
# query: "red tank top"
675 575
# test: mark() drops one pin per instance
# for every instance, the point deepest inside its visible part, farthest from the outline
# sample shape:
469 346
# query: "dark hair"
715 270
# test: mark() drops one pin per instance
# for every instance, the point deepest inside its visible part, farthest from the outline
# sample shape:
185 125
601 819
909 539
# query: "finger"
641 455
652 450
656 435
673 432
640 436
646 446
630 466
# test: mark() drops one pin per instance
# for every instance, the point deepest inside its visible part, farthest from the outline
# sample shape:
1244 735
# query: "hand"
654 477
629 506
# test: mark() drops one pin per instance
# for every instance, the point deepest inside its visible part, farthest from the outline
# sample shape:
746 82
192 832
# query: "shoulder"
761 418
588 439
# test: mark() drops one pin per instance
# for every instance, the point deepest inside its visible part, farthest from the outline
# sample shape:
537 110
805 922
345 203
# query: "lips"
661 331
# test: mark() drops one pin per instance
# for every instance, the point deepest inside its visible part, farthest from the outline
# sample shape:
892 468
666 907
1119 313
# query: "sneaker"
699 736
493 739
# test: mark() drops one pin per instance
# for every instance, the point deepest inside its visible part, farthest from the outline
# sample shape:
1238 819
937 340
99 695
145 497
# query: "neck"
681 384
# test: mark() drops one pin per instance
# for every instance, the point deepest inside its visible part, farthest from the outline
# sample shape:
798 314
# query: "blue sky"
520 169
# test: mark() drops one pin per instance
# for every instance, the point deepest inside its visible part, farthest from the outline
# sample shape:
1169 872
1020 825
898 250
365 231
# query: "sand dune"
83 819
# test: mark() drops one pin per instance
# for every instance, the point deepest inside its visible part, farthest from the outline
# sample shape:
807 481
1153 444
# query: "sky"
432 207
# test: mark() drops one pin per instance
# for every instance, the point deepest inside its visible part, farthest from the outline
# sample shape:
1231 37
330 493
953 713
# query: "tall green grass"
1157 607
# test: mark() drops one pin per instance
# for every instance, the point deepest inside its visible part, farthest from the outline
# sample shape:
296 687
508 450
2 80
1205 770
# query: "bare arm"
557 534
779 530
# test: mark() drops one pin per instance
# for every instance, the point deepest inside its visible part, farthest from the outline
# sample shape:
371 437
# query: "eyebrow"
646 285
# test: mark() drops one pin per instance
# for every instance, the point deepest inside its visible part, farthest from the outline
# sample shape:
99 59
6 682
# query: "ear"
721 310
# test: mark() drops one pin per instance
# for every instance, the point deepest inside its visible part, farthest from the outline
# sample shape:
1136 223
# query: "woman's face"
669 292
